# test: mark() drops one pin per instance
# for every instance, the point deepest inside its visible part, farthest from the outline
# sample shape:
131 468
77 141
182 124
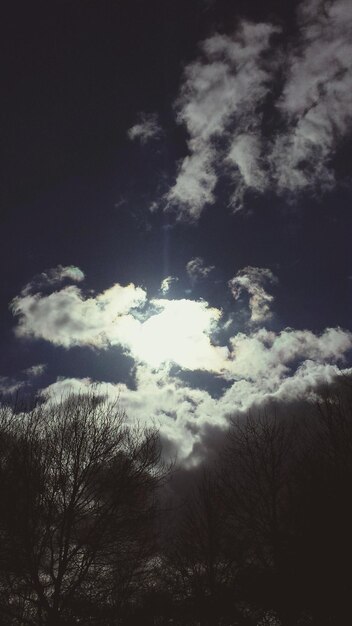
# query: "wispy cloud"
316 102
285 143
196 269
34 371
222 86
146 128
54 276
254 281
166 284
10 386
165 337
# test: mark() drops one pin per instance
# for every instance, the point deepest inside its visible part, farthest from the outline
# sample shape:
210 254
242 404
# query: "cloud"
179 332
184 414
179 411
195 185
243 125
67 318
248 165
166 284
222 86
155 332
316 101
34 371
196 269
167 340
52 277
268 355
10 385
63 387
253 280
146 129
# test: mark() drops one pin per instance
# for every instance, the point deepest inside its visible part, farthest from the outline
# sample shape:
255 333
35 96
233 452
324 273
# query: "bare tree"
323 507
79 500
198 558
255 482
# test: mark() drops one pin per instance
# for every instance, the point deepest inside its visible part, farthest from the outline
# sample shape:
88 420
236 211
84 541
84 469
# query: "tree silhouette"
77 528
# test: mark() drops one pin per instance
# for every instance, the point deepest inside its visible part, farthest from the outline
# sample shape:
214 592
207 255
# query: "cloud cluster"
167 339
146 128
264 354
253 280
184 414
284 143
155 331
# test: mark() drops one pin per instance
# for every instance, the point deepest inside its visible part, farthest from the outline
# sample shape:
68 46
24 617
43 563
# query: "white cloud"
251 369
179 332
147 128
194 185
183 414
268 355
166 284
66 318
317 97
52 277
196 269
253 280
63 387
9 386
223 85
245 154
176 331
224 107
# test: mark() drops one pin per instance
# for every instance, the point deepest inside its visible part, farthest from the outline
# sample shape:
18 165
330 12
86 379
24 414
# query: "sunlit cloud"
170 338
155 332
180 333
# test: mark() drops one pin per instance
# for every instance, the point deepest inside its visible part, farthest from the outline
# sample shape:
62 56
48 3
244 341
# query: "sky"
175 206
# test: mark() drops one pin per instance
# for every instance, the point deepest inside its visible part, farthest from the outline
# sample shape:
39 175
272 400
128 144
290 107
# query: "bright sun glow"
180 333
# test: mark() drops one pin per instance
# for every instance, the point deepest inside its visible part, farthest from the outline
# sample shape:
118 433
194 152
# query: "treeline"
96 529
